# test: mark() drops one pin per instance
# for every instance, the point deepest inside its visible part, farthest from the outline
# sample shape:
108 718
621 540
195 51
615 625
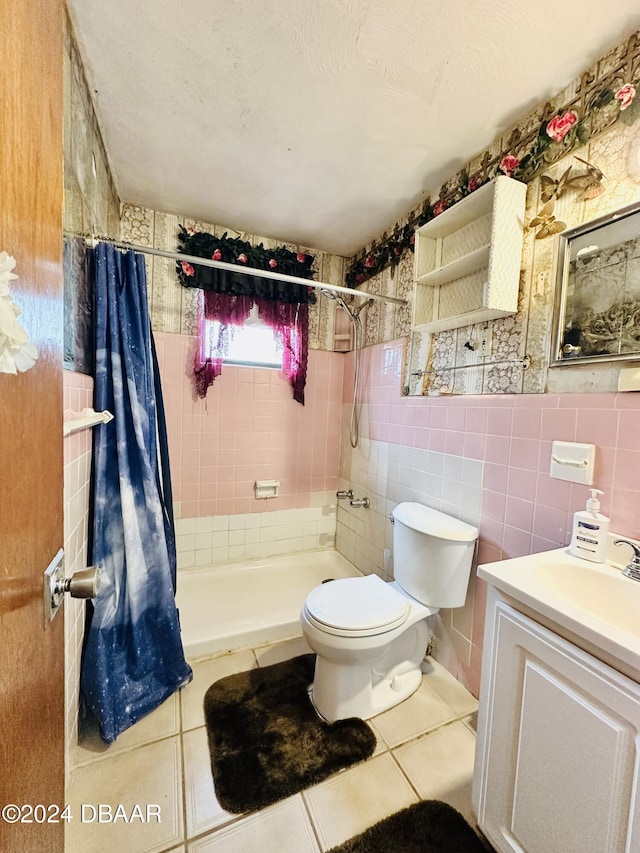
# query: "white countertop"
590 604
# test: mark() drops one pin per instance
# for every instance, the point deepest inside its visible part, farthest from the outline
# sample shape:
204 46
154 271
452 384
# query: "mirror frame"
560 303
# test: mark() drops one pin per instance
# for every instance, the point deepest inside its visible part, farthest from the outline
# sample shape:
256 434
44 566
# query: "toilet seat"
356 607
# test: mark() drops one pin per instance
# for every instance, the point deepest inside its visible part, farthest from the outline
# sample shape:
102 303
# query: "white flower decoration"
17 353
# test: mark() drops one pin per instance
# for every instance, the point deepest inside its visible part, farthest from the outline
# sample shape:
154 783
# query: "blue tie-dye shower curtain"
132 657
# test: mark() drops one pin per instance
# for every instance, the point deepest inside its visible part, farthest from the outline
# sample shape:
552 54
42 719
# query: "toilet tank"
432 554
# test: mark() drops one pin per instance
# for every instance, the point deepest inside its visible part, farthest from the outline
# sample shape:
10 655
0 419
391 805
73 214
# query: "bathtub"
243 605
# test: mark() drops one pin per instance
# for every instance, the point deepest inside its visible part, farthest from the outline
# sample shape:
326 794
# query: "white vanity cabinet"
557 760
467 259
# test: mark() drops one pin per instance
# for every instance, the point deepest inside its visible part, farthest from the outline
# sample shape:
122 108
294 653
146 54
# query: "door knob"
82 584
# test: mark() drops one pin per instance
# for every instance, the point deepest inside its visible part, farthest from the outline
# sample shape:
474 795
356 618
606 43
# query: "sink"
590 604
602 591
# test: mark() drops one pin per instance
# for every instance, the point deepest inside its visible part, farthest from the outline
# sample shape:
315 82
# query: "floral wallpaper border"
600 97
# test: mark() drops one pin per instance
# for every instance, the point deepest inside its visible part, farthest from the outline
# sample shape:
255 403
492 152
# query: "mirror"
597 306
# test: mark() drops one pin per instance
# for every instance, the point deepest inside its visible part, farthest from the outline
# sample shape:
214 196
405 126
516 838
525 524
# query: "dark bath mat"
266 740
426 827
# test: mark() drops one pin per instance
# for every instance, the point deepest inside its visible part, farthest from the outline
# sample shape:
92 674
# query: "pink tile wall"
524 510
249 428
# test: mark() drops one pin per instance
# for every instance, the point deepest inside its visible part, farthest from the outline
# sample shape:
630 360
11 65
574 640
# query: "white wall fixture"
17 353
572 461
267 489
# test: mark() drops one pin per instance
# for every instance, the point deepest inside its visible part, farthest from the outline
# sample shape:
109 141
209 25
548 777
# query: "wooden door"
31 451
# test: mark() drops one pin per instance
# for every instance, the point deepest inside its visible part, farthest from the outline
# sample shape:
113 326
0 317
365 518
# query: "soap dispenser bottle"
590 529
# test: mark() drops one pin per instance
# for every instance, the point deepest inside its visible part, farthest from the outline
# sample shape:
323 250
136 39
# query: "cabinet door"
559 765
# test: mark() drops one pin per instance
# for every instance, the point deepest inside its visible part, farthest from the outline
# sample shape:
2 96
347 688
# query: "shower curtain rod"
205 262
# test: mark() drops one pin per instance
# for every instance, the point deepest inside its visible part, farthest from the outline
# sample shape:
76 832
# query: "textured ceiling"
321 122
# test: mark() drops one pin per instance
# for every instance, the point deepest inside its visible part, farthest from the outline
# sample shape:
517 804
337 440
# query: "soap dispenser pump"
590 529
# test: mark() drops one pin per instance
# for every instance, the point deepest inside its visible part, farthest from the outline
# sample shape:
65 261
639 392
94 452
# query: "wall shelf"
467 259
465 265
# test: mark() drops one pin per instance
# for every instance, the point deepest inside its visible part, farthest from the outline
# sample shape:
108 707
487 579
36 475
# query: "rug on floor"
266 740
426 827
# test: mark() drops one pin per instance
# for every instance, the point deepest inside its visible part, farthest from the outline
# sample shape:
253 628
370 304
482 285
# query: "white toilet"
370 637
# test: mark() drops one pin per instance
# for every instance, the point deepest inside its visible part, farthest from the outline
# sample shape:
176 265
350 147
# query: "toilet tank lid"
424 519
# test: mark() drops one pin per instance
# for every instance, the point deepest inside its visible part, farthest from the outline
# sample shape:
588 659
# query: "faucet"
341 495
633 569
362 502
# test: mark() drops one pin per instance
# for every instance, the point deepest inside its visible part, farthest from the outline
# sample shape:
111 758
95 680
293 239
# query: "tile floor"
425 750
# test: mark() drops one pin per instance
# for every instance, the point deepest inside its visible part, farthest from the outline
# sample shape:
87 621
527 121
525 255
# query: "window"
251 331
252 344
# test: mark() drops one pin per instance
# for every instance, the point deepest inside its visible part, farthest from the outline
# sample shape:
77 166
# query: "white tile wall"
220 539
388 474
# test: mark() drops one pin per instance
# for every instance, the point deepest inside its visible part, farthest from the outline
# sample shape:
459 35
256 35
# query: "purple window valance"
289 321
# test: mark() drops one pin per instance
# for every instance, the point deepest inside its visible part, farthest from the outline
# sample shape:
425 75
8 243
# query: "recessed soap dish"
267 489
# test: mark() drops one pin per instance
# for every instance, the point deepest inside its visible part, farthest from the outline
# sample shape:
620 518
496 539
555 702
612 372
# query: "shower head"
330 294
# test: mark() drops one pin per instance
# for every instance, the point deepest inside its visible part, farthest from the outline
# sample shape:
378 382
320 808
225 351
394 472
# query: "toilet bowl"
370 637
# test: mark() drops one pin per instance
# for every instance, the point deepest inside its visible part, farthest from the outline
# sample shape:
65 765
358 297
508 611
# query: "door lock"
82 584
